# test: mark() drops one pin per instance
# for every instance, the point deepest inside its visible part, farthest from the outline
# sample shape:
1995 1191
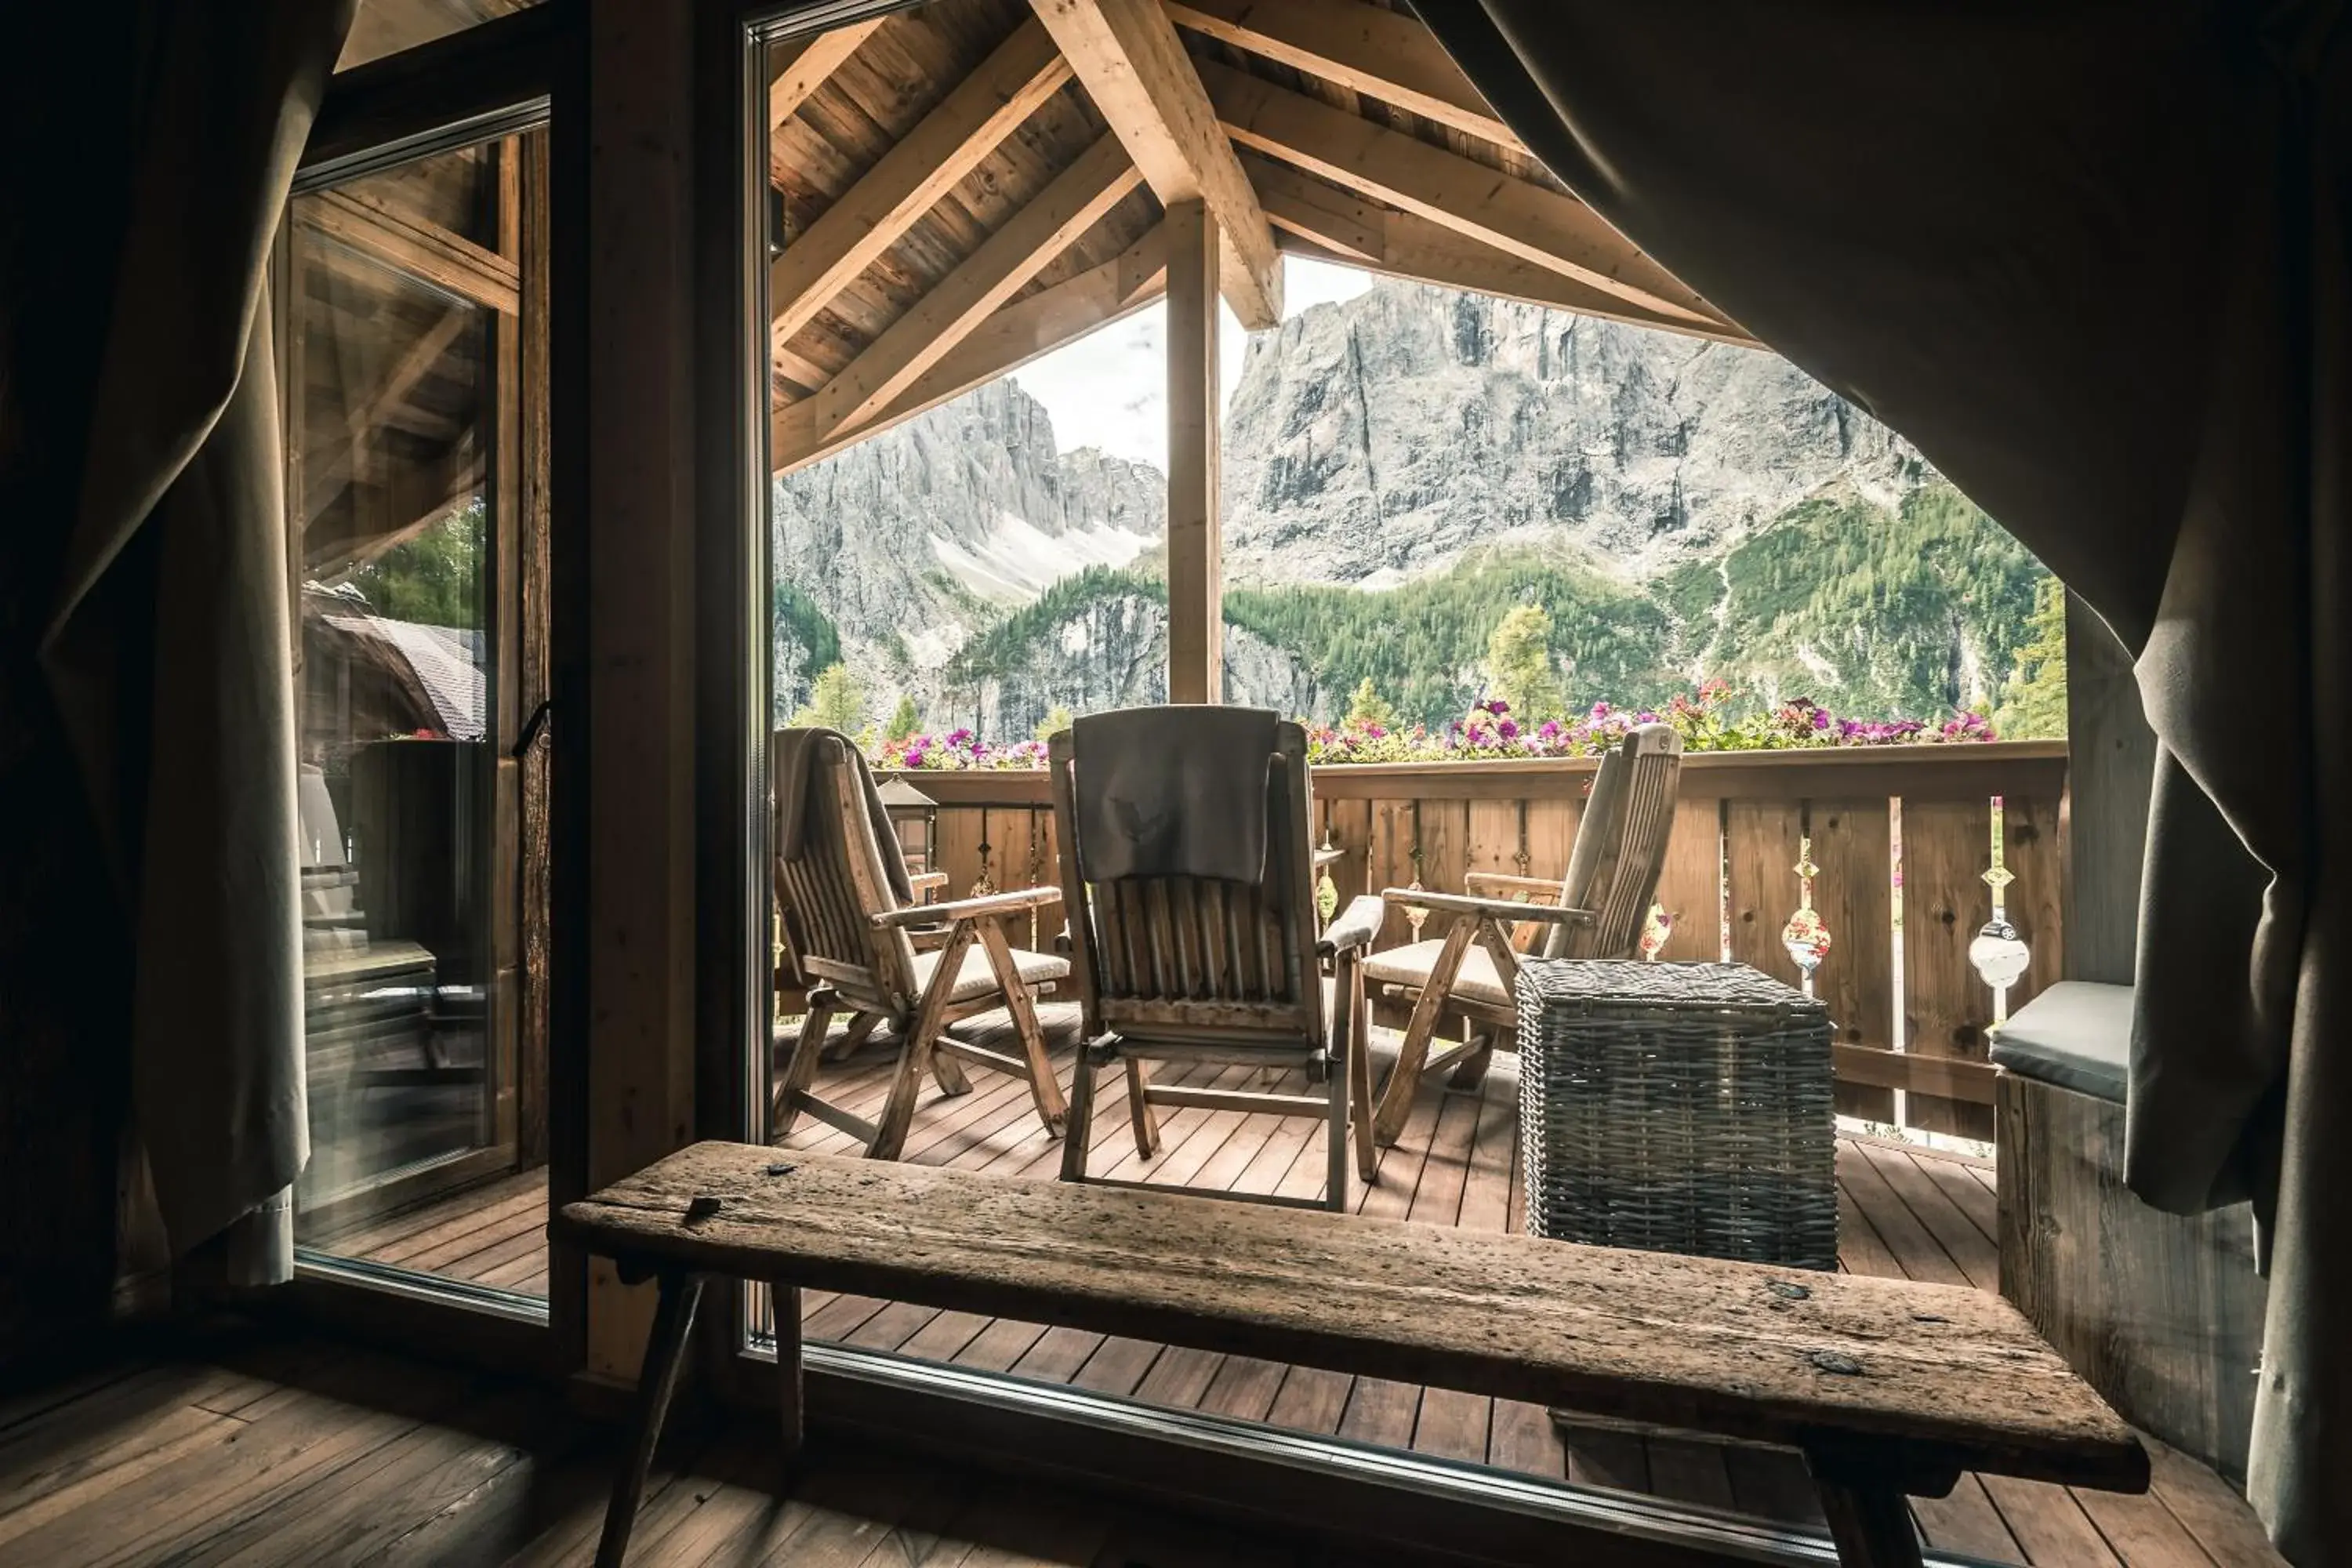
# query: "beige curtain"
166 634
2092 258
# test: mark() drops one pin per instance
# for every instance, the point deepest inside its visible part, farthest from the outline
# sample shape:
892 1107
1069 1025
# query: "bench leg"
1079 1129
1871 1524
785 1310
657 1381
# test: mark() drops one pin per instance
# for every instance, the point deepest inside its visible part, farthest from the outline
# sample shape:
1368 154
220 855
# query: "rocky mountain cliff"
1399 470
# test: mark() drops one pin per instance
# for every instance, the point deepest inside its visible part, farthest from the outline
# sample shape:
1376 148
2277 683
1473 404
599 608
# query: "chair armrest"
969 908
1354 927
1501 908
1503 884
927 881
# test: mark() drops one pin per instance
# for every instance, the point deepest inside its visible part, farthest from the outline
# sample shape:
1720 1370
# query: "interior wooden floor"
260 1453
1903 1212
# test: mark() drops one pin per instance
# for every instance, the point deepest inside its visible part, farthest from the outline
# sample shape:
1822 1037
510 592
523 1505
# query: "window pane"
1477 521
408 395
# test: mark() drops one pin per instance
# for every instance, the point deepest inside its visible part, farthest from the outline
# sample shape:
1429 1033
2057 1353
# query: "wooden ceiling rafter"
1384 54
1536 225
798 67
912 178
1127 57
1014 335
1071 202
1322 220
351 457
360 222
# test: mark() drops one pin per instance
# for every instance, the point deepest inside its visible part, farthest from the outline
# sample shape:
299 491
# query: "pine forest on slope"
1400 470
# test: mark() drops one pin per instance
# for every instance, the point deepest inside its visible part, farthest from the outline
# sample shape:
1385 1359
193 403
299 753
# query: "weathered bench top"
1946 1376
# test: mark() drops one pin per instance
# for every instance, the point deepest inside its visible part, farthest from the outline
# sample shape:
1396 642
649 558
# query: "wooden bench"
1886 1387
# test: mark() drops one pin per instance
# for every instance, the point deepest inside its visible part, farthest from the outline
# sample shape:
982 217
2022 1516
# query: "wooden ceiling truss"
973 182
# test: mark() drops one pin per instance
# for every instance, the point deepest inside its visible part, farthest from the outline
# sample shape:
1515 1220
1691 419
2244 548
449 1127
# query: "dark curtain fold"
2090 259
164 624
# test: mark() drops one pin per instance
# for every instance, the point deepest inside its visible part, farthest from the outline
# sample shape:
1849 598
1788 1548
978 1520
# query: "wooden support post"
785 1308
1195 574
665 1354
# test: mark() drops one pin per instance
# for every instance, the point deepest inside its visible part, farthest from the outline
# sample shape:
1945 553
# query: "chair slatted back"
1620 845
840 880
1190 959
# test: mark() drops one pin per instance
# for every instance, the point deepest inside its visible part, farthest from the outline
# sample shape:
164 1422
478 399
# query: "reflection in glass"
403 365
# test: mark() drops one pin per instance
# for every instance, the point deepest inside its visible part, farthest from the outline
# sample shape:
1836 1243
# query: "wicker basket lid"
1620 983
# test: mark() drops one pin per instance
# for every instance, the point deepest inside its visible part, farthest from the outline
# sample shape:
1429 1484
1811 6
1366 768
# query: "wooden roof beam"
366 225
1385 55
1075 200
1009 339
909 179
798 67
1323 221
1538 225
1136 70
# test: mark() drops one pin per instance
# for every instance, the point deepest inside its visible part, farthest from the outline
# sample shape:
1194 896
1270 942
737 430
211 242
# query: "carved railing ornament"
1998 953
1805 936
1414 914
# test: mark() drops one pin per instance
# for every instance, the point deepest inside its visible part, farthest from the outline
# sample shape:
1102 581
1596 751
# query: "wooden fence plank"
1691 890
1947 848
1854 895
2034 852
1761 839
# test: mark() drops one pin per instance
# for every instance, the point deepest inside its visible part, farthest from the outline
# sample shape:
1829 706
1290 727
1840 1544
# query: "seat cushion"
1409 965
975 978
2076 1035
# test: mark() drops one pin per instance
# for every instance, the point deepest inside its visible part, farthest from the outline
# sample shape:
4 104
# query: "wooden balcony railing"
1917 853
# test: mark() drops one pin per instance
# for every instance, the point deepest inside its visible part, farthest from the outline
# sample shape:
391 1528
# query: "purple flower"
1497 706
1374 732
1601 710
915 756
958 737
1548 729
1820 718
1509 730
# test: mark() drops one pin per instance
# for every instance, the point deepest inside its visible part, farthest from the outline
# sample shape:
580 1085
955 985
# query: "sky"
1110 388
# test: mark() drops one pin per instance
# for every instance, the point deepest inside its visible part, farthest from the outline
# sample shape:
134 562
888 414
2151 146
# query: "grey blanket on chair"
1175 791
792 758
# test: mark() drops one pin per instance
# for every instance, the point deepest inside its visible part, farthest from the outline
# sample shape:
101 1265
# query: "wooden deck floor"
265 1454
1903 1212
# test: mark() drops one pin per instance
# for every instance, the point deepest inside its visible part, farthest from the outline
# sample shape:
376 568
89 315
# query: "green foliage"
1056 720
435 579
1368 709
904 719
1007 647
1843 601
1422 644
835 702
1518 665
2033 699
799 622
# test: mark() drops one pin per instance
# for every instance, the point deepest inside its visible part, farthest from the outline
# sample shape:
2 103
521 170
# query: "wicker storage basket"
1677 1108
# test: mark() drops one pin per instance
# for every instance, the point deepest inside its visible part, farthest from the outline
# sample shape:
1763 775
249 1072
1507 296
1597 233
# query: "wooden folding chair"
851 942
1179 969
1613 875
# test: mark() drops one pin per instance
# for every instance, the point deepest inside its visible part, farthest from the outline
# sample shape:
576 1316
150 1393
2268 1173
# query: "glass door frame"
1288 1478
516 74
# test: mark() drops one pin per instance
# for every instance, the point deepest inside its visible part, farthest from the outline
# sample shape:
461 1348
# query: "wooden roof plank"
1069 205
1525 220
1133 66
910 178
798 67
1010 338
1386 54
